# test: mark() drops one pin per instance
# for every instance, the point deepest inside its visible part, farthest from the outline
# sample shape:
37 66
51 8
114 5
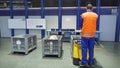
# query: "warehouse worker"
88 32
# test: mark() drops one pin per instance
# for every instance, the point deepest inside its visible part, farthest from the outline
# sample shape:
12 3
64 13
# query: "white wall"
52 22
19 31
36 32
107 27
5 32
69 22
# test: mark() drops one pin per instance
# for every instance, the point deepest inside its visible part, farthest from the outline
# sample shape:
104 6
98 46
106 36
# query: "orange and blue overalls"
88 33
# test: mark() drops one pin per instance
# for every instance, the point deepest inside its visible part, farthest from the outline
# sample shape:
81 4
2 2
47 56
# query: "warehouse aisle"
107 56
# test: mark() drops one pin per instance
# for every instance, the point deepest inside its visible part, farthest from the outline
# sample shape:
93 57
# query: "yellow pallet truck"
77 52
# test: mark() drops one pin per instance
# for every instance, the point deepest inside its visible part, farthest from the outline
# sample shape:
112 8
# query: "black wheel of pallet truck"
76 61
84 67
95 61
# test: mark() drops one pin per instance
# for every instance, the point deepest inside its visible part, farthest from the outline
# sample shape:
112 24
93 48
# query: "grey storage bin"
23 43
52 46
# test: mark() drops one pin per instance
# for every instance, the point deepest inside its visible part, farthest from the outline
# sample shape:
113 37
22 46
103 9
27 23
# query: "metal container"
52 46
23 43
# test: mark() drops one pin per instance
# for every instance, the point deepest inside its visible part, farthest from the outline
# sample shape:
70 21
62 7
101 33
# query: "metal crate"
23 43
52 46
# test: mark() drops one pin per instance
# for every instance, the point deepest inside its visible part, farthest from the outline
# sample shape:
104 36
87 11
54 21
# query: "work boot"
91 65
82 65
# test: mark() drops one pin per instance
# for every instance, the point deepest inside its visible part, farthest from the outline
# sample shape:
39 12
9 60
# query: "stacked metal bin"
23 43
52 46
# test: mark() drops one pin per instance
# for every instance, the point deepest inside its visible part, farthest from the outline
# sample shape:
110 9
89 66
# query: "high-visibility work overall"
88 33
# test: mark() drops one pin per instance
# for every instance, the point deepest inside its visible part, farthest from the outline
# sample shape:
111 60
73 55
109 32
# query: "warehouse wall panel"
107 27
52 22
5 32
69 22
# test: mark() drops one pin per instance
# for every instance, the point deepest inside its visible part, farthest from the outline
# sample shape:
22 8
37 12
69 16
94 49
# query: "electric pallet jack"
77 52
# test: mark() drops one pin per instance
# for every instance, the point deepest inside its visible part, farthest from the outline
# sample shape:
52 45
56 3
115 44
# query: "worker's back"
89 24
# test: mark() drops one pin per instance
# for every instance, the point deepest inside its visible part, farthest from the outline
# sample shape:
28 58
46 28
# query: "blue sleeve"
81 22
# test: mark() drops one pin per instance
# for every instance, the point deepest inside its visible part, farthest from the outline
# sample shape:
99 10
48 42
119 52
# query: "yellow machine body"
77 52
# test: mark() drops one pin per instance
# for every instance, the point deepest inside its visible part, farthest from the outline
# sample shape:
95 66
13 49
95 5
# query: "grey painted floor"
108 56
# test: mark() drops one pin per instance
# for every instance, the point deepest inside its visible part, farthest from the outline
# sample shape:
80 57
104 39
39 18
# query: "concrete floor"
108 56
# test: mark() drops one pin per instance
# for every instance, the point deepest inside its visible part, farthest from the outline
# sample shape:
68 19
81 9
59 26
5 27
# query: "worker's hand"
75 41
